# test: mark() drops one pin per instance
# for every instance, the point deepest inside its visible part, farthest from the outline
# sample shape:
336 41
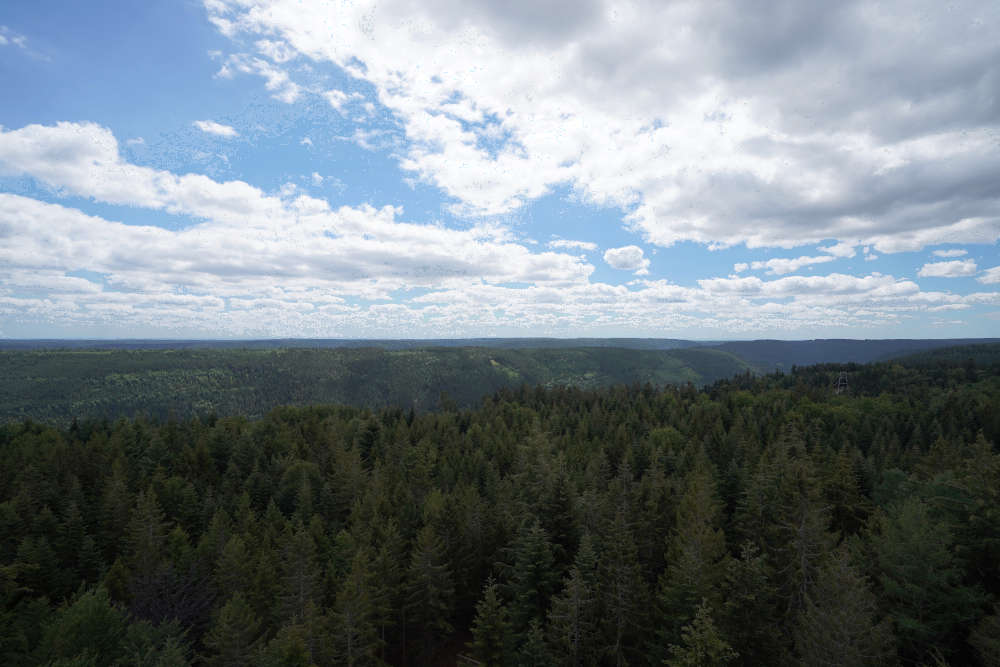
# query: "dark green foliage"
355 626
532 577
429 591
490 629
235 636
838 625
90 627
696 553
61 385
921 579
759 521
702 644
573 621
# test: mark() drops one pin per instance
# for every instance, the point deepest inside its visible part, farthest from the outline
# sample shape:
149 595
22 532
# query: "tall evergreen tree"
702 644
300 573
695 554
921 580
532 578
355 626
573 621
235 637
839 625
491 638
429 591
624 593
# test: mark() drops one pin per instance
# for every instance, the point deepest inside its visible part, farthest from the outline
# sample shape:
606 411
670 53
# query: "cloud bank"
705 122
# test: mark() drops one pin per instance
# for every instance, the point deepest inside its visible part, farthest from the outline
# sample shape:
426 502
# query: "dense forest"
770 520
56 386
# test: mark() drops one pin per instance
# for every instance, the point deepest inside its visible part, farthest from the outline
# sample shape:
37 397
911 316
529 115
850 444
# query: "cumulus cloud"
953 269
218 129
843 249
780 265
245 262
628 258
567 244
990 276
304 236
809 122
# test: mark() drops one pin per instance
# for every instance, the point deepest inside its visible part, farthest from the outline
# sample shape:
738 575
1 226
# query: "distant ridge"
385 344
771 355
58 385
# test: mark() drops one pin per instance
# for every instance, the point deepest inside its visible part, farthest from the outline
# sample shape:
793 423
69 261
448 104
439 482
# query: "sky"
702 169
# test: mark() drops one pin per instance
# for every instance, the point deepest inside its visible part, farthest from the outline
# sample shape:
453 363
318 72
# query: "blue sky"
282 168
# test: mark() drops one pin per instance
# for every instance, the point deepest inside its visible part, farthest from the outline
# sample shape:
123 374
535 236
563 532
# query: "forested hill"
758 521
59 385
984 355
771 355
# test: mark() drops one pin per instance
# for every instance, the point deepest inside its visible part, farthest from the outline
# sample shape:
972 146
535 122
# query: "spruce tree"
355 630
839 625
702 645
490 628
696 552
235 636
429 591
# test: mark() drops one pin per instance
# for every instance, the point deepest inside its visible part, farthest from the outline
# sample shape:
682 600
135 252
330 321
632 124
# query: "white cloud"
218 129
317 178
702 126
306 141
954 252
628 258
345 244
567 244
276 80
845 249
338 98
953 269
249 263
279 52
8 36
781 265
990 276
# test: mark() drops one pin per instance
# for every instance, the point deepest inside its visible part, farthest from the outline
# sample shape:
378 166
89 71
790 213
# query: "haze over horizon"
248 169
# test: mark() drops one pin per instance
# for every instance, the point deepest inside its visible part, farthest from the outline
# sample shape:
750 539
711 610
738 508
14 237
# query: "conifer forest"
780 519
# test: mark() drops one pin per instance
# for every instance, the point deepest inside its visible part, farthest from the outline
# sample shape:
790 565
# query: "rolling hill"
58 385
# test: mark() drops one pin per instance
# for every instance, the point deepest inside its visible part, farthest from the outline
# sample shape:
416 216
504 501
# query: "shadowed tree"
300 572
701 643
838 626
235 637
491 642
355 624
429 591
921 581
532 578
696 552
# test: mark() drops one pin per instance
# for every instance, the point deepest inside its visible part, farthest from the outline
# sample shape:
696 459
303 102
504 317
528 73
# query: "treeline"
760 521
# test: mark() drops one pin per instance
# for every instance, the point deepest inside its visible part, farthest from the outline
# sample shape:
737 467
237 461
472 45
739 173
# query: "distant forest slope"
771 355
57 386
984 355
